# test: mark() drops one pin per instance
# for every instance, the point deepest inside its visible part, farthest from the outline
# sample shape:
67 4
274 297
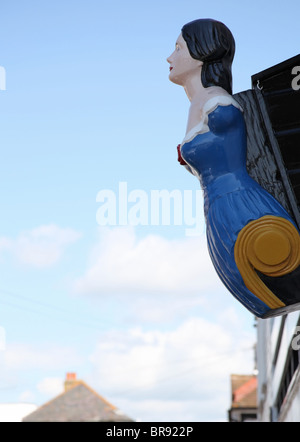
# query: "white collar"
209 106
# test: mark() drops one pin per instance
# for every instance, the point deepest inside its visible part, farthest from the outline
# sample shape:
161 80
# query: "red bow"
180 159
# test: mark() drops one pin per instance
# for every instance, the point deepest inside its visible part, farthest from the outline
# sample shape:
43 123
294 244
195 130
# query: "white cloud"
50 387
177 375
5 243
40 247
179 371
122 263
27 396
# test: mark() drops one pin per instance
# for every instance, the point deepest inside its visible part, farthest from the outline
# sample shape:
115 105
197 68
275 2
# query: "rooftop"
244 388
78 403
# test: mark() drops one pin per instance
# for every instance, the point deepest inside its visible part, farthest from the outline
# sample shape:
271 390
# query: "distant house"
244 398
78 403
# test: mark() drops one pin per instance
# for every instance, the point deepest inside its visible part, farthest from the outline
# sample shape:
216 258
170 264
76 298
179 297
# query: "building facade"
278 363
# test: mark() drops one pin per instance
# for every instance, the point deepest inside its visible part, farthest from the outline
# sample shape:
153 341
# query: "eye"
177 47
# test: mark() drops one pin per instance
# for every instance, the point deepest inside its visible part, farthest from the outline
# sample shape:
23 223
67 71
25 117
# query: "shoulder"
223 112
218 113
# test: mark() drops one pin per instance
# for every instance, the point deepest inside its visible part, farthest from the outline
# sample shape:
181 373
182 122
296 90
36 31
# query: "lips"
171 69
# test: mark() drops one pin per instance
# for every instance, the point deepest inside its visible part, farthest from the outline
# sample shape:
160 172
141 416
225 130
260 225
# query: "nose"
169 60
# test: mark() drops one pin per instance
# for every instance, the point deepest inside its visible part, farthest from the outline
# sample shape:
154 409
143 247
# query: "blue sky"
88 105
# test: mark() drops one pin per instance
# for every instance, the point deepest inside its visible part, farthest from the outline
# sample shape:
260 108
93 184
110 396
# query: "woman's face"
182 65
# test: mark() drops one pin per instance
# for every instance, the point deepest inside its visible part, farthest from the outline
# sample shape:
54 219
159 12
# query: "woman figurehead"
211 44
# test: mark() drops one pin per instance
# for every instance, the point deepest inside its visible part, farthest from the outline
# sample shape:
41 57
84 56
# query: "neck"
194 89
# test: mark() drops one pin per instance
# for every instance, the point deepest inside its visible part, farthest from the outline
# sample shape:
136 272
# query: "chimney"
71 381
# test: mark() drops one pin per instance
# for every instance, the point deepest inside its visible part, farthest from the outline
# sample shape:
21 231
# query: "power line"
100 324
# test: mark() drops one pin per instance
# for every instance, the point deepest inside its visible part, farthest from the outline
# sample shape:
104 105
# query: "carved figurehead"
252 240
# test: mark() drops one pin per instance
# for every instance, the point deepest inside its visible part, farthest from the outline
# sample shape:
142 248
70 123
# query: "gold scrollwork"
270 245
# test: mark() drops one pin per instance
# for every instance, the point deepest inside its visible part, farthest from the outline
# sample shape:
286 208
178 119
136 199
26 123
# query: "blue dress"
215 152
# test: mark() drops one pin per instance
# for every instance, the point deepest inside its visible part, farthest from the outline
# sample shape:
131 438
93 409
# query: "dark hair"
212 42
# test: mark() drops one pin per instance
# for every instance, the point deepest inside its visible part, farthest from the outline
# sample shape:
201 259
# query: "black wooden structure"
272 116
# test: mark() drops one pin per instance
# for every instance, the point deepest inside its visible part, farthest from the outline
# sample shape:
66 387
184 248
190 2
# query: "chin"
175 79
